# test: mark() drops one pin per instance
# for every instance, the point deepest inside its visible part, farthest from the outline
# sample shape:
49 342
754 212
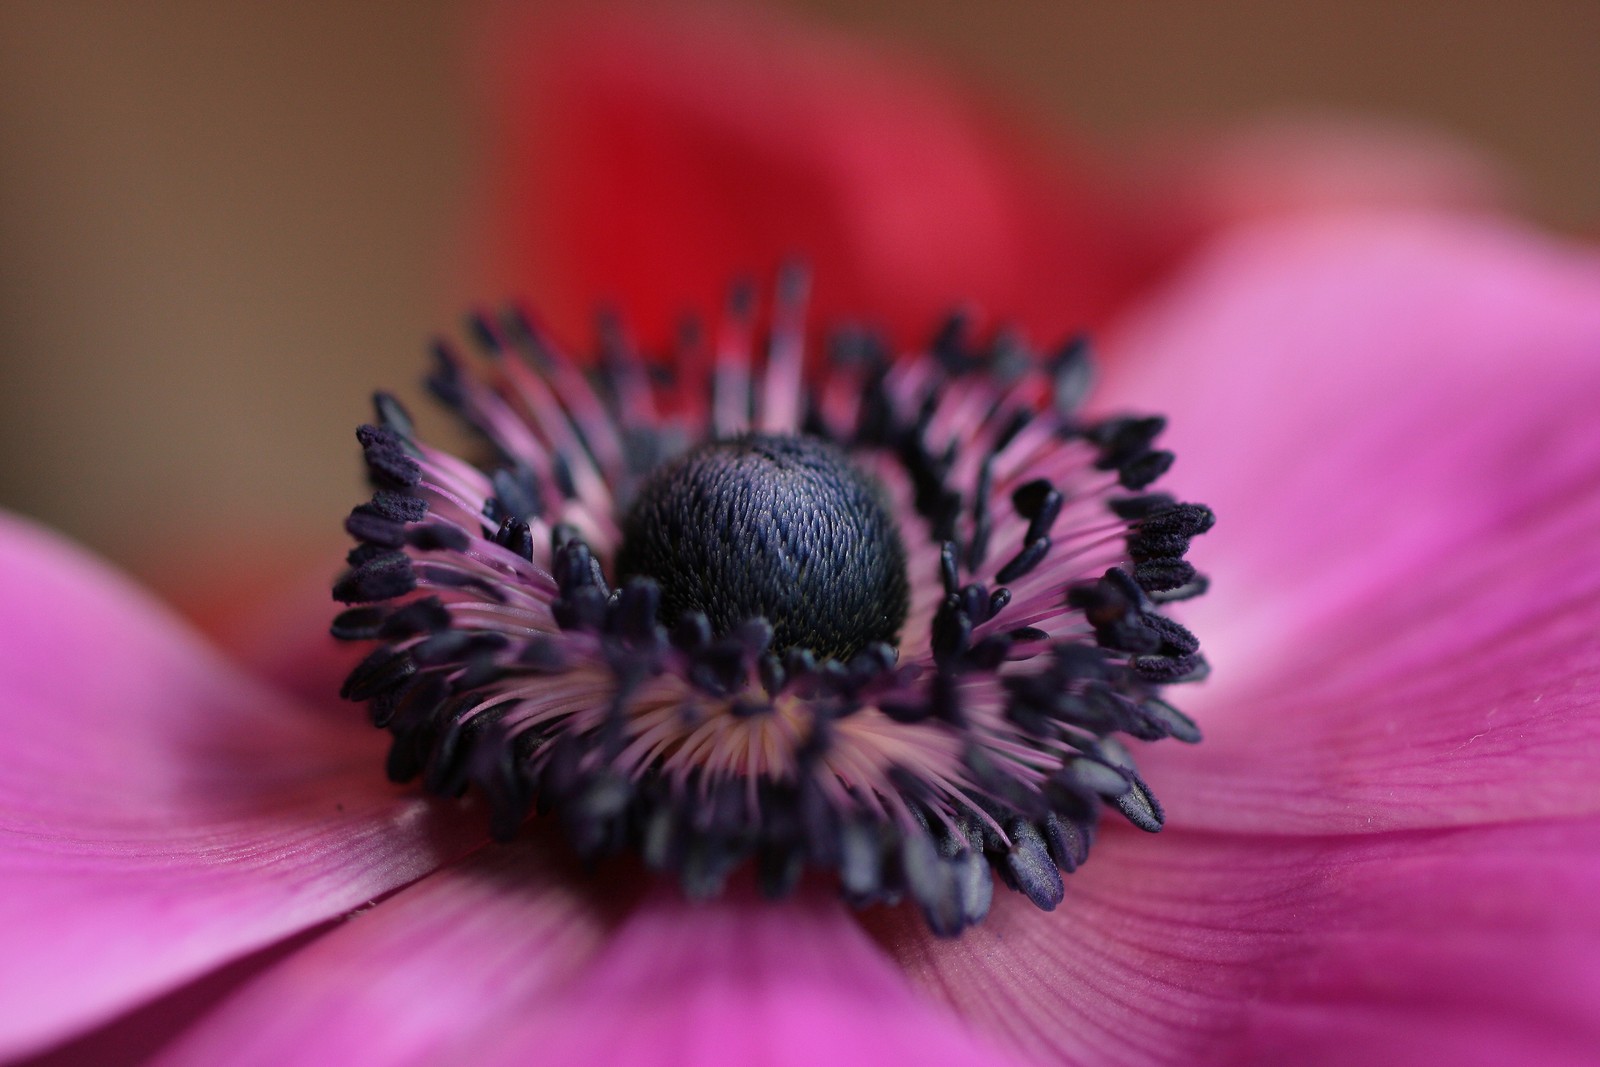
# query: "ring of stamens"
534 642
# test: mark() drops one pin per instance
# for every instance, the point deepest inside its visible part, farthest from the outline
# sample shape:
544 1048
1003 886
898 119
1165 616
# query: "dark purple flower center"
776 527
880 617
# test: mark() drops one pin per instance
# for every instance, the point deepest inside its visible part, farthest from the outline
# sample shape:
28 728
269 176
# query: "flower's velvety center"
672 613
776 527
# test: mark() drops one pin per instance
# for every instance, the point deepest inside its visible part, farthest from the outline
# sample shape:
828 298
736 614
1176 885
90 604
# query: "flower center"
698 668
776 527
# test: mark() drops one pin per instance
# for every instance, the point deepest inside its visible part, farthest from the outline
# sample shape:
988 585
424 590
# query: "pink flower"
1384 852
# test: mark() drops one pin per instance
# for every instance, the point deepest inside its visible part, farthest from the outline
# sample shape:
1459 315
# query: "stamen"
885 619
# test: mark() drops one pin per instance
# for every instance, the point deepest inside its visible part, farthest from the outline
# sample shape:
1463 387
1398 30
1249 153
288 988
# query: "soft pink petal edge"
740 980
160 812
475 946
510 957
1393 416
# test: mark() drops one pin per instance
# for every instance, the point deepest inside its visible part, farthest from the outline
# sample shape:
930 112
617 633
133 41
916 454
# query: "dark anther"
358 624
391 414
1030 499
383 669
517 490
438 535
1176 640
1085 775
515 535
692 631
974 600
874 658
1173 723
561 474
1068 842
1139 507
1030 865
482 332
381 577
453 578
720 667
1071 375
770 670
1049 510
543 656
455 645
1161 575
1024 561
947 567
398 507
906 711
1018 422
1166 670
1179 520
952 632
386 458
982 522
1196 586
1107 600
424 616
365 524
1122 439
1140 806
989 653
952 344
781 528
1143 545
633 613
1010 356
447 382
1143 469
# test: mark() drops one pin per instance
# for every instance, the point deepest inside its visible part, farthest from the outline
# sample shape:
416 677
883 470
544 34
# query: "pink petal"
161 813
1394 419
738 981
510 957
475 946
1470 946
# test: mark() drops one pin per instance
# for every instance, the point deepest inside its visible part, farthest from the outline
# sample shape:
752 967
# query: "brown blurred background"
222 223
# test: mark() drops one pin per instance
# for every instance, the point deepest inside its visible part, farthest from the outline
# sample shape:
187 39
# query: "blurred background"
222 224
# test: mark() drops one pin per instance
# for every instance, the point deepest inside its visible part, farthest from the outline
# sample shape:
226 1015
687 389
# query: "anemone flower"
1384 851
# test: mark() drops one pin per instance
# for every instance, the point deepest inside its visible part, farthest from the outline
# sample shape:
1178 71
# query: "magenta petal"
506 958
476 946
1394 419
160 813
735 982
1470 946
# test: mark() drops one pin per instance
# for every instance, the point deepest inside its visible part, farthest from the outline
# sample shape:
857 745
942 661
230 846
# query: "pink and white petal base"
737 981
1458 946
1393 416
160 812
475 947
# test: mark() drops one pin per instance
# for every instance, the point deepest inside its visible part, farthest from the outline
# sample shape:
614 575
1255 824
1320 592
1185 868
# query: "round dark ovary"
779 527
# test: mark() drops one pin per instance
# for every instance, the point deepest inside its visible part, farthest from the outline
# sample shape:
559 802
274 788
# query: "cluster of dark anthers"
876 616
